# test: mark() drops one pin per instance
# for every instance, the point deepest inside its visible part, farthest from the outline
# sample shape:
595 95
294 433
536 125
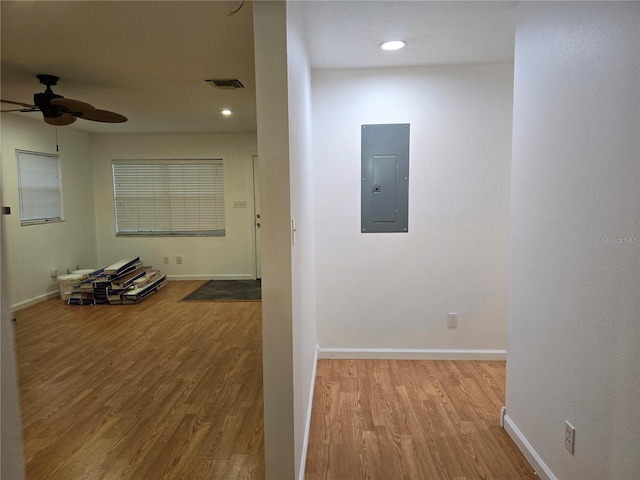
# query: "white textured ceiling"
147 59
347 34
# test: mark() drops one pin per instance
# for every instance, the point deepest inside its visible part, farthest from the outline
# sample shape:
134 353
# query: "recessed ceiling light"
226 112
393 45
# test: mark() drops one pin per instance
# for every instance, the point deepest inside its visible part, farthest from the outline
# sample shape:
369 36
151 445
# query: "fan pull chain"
57 148
237 9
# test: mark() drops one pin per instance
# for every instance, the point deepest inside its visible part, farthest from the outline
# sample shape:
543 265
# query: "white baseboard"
241 276
307 426
527 450
34 300
411 354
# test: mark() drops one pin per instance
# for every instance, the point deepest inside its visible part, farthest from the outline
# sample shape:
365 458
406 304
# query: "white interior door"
256 211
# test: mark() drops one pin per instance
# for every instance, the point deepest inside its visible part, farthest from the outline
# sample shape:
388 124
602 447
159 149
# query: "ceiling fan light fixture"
69 105
60 120
393 45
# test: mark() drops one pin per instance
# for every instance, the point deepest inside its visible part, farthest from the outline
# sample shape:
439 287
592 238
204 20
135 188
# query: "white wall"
230 256
303 211
288 267
270 24
31 251
574 316
394 290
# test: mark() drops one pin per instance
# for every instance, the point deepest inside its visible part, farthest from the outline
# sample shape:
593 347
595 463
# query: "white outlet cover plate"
569 437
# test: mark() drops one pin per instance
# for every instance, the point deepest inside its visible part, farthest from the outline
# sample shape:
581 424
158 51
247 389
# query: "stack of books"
126 281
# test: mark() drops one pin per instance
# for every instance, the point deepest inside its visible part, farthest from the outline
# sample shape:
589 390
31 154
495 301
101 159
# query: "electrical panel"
385 178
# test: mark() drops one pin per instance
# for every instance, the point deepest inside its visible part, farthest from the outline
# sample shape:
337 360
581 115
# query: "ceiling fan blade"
18 103
103 116
25 110
64 119
72 106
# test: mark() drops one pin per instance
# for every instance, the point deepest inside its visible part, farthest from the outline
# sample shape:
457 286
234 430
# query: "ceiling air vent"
225 83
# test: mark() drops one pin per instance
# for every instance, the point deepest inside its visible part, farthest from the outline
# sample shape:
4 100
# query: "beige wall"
231 256
11 463
87 235
31 251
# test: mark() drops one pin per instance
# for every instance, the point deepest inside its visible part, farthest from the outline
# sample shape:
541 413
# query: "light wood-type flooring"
414 420
160 390
173 390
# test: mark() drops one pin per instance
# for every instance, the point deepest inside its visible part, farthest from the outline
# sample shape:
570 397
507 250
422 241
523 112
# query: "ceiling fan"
58 110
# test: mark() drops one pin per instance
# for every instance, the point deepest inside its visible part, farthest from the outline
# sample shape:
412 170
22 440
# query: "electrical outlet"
166 260
569 437
452 320
54 272
179 260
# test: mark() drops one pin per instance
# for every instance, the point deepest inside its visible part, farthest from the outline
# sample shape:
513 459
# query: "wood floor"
414 420
159 390
173 390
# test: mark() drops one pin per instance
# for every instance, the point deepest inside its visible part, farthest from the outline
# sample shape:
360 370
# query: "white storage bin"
66 283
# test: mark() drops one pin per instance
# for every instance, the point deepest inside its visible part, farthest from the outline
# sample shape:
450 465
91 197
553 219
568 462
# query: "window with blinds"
39 187
169 197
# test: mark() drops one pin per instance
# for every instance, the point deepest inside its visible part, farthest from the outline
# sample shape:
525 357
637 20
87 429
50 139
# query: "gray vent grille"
226 83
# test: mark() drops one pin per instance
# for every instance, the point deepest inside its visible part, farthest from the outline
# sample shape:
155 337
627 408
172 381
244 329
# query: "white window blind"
169 197
39 187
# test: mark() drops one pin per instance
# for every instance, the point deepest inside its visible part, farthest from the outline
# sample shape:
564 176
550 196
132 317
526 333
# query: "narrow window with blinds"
39 187
169 197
